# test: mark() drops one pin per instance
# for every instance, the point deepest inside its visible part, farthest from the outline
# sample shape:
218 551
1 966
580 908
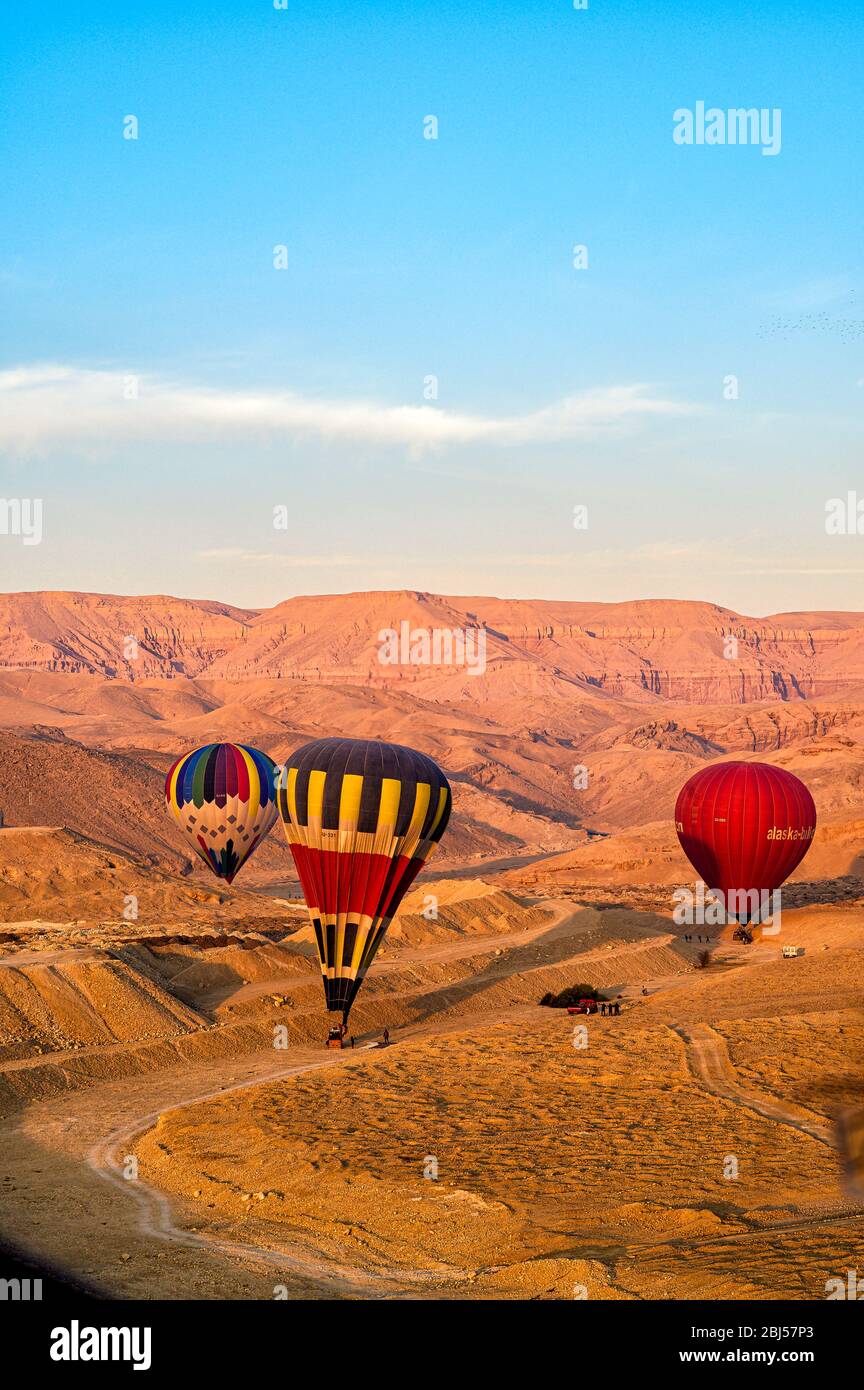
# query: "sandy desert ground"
560 1168
170 1123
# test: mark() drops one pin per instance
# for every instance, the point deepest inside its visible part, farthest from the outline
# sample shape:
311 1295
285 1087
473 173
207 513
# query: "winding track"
156 1219
130 1104
711 1065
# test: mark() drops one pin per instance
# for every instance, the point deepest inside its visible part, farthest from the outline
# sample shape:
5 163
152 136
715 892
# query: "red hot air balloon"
744 827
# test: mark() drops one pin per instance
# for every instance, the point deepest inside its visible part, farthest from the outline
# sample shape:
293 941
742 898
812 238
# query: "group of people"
338 1031
610 1007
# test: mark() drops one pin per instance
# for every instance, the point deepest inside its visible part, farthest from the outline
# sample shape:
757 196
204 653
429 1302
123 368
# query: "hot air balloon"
744 827
224 797
362 818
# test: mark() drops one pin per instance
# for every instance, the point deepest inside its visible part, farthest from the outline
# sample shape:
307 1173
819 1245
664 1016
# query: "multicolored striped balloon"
361 818
224 797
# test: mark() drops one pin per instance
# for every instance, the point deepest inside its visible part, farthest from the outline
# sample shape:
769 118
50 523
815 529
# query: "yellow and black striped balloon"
362 818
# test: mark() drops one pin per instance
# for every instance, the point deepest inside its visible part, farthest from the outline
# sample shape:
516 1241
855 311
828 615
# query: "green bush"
570 996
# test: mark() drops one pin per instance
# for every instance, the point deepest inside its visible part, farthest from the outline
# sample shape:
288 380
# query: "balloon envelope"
223 796
744 827
362 818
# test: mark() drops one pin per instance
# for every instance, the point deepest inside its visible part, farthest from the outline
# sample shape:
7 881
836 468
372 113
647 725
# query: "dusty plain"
170 1123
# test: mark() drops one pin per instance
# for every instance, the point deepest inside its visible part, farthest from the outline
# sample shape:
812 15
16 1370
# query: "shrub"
570 996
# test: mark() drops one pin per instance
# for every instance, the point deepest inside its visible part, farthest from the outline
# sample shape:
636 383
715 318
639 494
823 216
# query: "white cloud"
285 559
45 405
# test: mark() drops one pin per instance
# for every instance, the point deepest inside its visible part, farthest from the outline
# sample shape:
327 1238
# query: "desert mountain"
685 651
584 721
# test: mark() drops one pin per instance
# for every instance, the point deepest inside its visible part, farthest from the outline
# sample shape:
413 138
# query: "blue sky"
152 259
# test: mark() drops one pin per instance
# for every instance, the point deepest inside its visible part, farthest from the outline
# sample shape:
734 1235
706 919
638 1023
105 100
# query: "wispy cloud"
44 405
665 558
284 559
659 557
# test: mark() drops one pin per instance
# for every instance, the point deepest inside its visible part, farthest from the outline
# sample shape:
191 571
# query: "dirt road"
71 1196
709 1060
